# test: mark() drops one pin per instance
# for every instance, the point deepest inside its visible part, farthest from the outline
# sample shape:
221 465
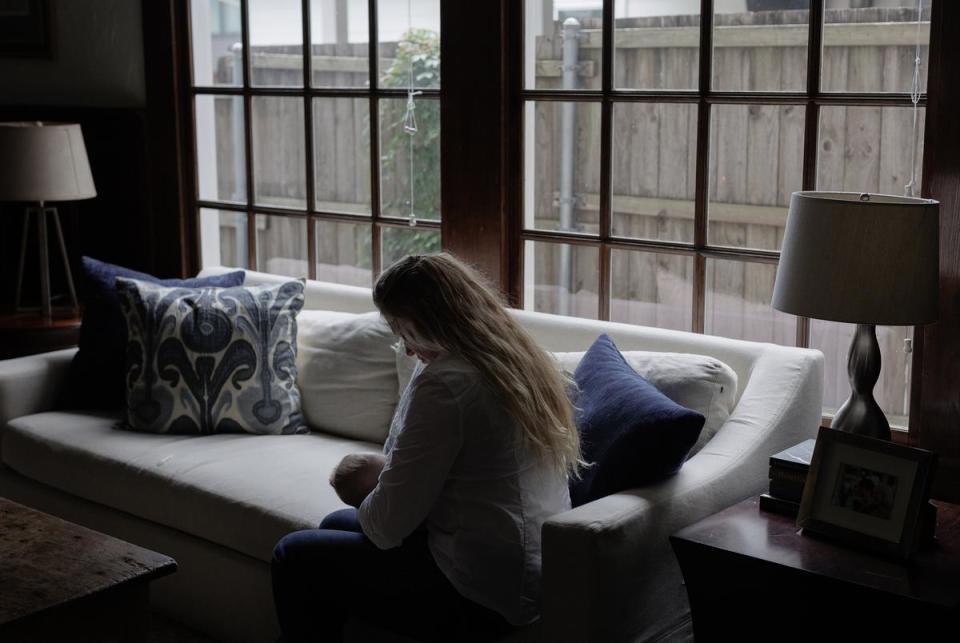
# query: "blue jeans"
323 577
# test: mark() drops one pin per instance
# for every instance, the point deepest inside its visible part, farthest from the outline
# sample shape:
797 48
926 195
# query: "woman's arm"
417 466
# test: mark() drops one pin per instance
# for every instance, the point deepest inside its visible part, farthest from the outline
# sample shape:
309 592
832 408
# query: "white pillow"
701 383
347 373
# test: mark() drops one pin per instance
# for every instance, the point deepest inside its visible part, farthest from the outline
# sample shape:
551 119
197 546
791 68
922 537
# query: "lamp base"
40 213
861 414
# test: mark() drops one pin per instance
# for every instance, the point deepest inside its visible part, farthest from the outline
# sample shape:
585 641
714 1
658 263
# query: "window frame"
812 98
483 210
247 92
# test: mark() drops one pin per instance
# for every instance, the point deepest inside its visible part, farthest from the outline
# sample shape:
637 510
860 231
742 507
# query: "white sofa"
219 503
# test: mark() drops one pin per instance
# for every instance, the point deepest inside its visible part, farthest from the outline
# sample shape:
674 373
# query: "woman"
447 545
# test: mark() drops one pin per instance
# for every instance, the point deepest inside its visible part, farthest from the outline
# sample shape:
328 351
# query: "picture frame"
866 492
25 29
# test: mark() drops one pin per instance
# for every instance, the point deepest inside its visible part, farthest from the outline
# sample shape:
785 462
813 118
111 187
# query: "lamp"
866 259
42 162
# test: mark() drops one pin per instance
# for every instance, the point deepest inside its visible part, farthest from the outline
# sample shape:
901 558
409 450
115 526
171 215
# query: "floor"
164 630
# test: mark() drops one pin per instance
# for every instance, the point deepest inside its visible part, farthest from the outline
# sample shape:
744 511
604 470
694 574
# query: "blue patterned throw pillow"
212 360
95 378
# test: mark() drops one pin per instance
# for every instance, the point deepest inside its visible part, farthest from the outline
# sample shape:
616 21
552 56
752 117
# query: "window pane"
341 147
221 164
656 45
562 173
654 170
343 253
562 279
395 168
279 164
276 43
548 26
761 49
397 243
756 162
340 32
873 49
409 36
217 52
223 238
282 245
738 298
892 390
868 149
652 289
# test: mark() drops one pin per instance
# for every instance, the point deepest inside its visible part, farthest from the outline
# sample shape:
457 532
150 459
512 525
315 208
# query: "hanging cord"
910 188
410 118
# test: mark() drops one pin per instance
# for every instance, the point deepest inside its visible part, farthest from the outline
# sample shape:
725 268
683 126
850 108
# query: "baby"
356 476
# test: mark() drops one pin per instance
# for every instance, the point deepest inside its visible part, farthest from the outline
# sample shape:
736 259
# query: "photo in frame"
866 492
25 29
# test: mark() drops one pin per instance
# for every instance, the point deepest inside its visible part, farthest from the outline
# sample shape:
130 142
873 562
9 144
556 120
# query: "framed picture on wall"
25 29
866 492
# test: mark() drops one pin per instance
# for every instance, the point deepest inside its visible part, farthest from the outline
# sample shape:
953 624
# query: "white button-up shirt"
455 461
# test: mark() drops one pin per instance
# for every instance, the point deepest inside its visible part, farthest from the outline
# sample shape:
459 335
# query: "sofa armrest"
609 573
32 384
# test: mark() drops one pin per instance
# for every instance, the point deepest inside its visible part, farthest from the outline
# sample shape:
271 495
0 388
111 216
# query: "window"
661 146
303 164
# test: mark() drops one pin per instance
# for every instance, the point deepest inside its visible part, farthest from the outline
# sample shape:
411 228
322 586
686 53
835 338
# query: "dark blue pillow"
631 432
95 379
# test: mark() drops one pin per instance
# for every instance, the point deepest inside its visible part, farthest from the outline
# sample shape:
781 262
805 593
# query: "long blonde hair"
450 305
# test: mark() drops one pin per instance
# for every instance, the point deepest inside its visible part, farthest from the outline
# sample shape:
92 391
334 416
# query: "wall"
95 77
97 59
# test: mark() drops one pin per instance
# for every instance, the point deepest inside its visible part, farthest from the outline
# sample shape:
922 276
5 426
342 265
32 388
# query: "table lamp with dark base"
866 259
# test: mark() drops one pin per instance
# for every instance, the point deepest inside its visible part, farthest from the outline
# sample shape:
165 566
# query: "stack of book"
788 472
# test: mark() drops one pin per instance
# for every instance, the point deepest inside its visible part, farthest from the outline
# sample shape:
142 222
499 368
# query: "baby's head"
356 476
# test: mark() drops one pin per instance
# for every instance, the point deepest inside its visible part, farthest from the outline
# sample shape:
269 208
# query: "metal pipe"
571 59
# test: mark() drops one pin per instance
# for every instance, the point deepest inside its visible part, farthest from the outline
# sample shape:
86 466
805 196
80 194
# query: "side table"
751 574
29 333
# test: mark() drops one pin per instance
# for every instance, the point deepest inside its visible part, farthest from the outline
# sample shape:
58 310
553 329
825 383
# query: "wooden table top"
745 530
46 562
62 318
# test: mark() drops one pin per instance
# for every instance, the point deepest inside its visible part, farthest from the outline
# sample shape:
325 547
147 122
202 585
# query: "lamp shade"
860 258
44 162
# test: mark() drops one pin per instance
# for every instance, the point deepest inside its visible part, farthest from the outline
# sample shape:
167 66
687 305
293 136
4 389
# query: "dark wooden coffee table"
60 581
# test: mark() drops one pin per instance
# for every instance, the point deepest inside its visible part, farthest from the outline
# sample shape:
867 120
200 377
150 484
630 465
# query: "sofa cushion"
347 373
631 433
95 378
237 490
698 382
212 360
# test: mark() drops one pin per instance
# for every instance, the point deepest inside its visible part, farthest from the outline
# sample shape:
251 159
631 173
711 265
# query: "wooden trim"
168 220
512 151
870 99
513 147
248 136
472 146
307 63
702 179
935 405
372 53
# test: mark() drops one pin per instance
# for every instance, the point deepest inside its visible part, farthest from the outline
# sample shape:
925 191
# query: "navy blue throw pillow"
95 379
631 432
